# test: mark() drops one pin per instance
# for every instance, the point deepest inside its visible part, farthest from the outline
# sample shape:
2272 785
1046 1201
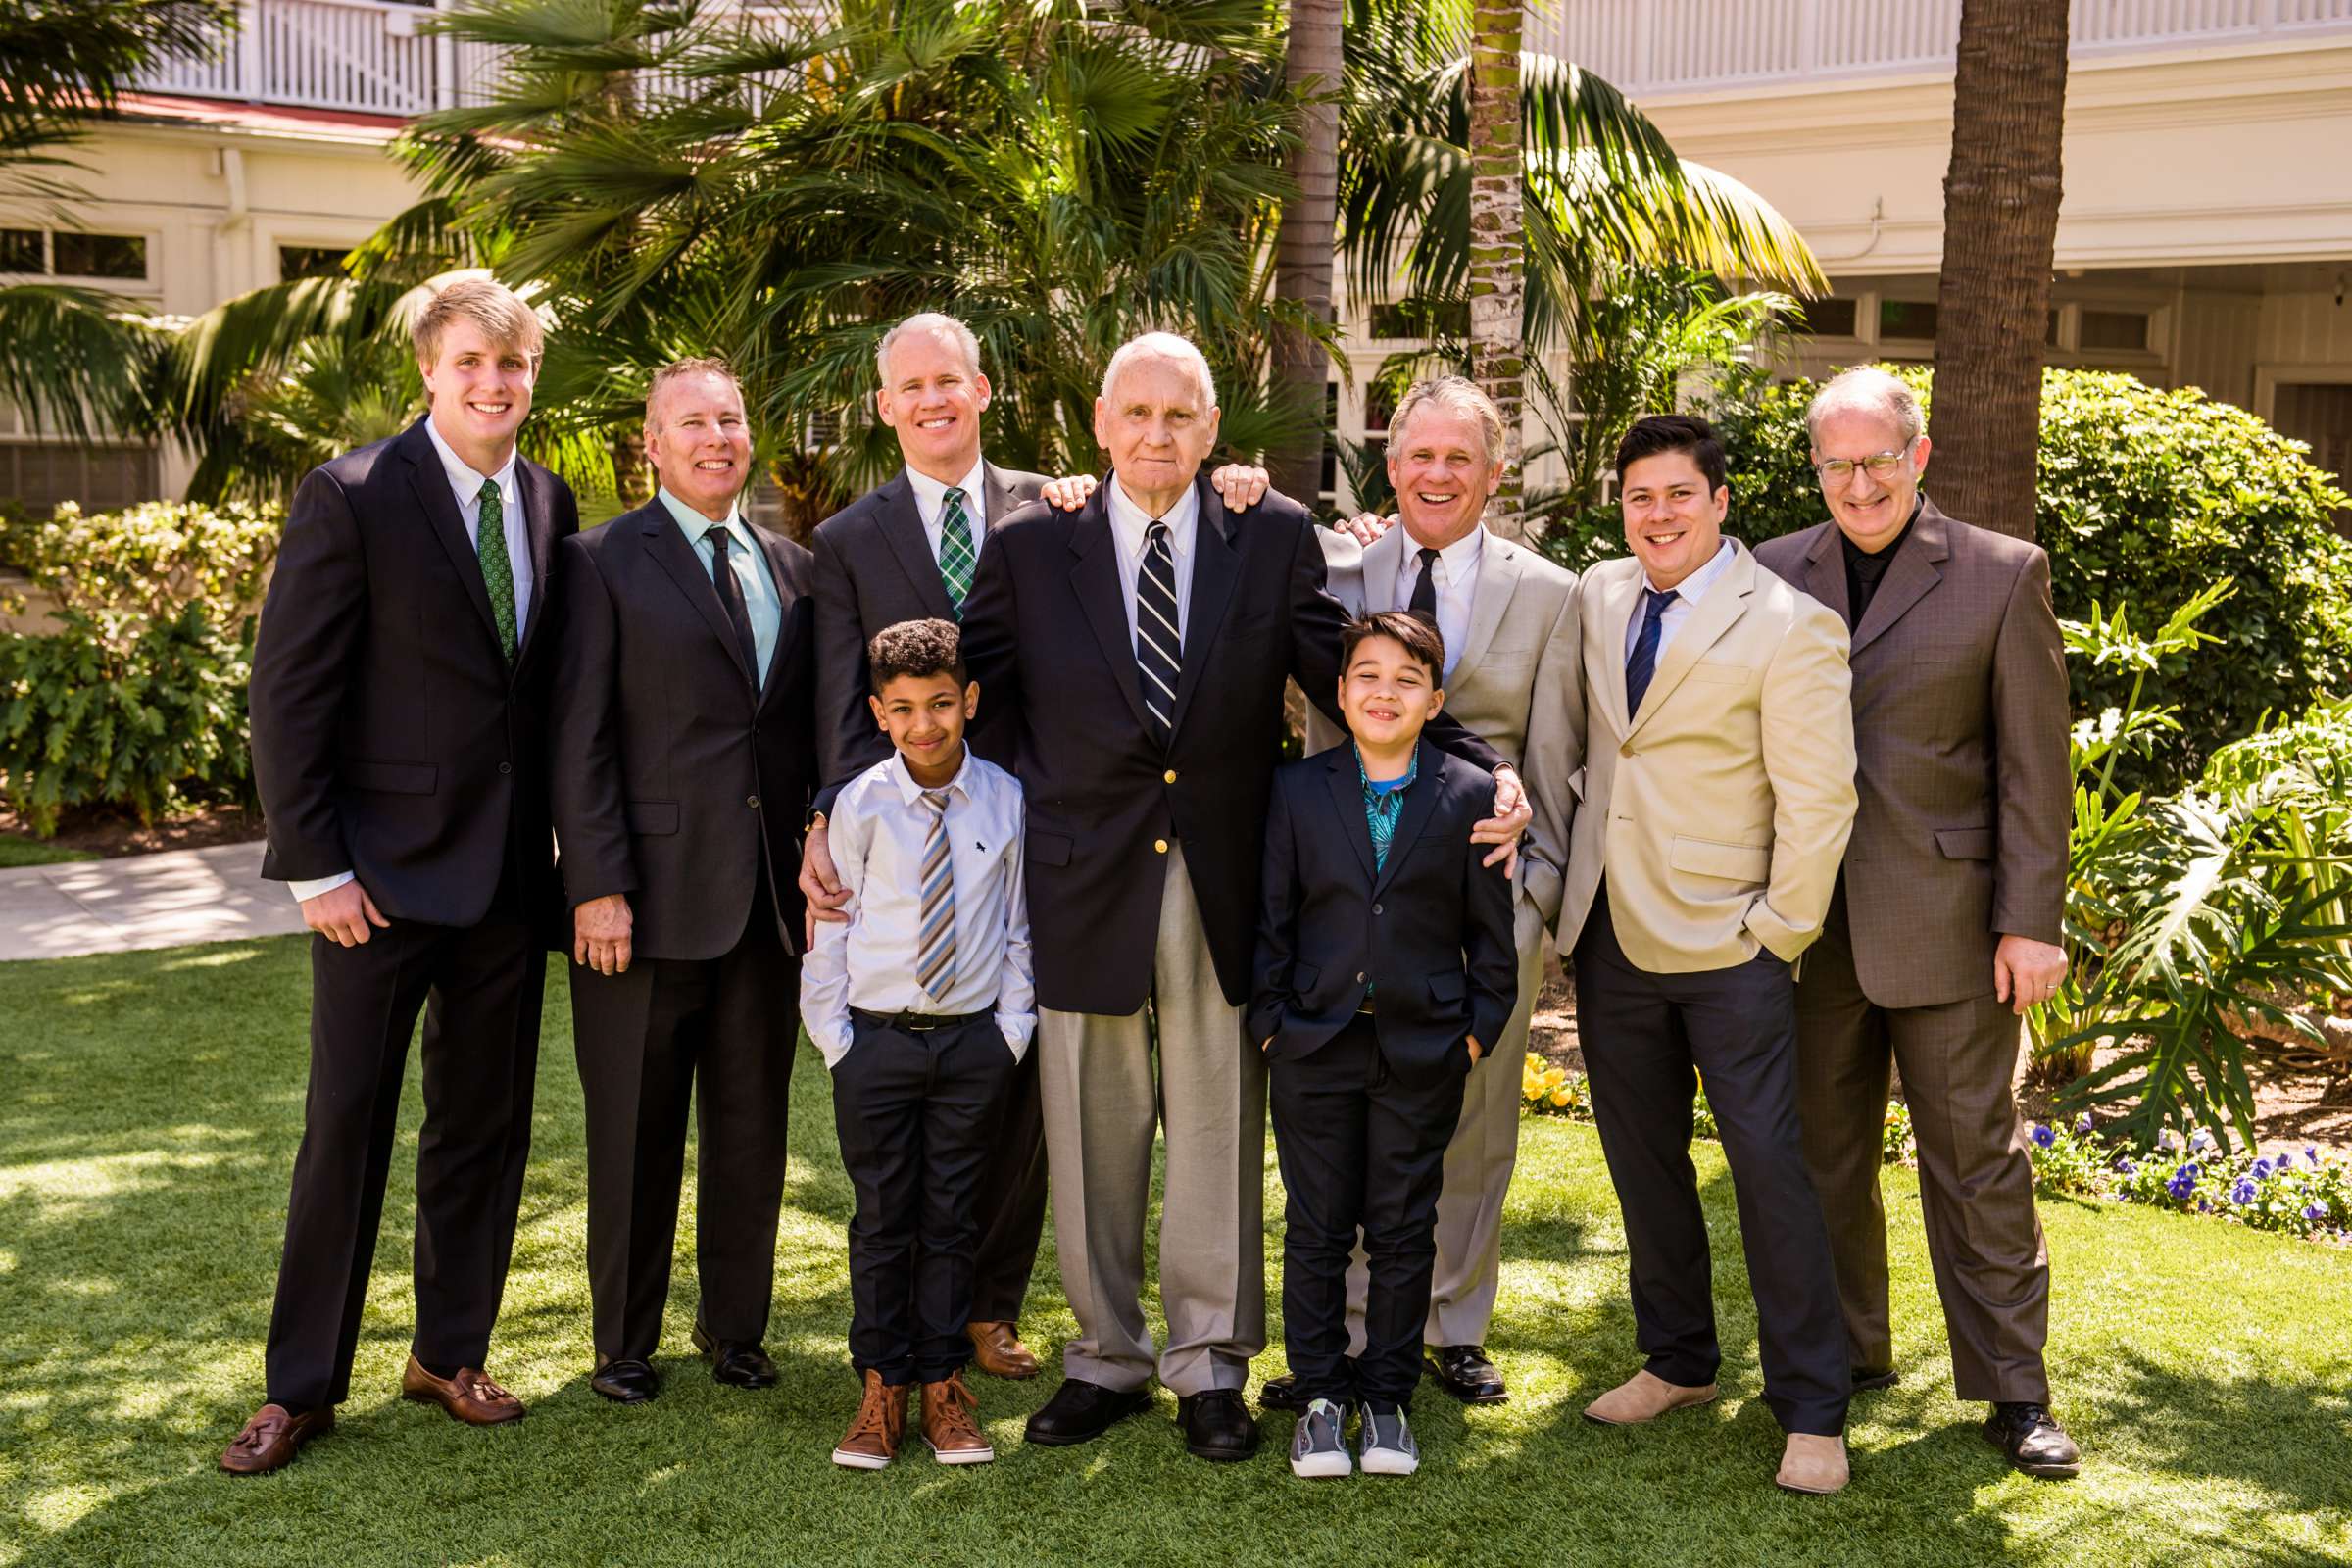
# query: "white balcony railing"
1653 47
358 56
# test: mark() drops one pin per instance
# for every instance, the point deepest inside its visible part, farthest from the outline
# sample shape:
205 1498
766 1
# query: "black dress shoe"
1869 1378
735 1363
1463 1371
1217 1425
2032 1440
1280 1394
1081 1411
625 1382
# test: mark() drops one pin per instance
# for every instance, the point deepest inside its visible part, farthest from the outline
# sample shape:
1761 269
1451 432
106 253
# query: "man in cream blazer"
1508 620
1716 803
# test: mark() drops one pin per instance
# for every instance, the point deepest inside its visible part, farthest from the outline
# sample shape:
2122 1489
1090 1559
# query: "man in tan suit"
1719 793
1508 619
1947 915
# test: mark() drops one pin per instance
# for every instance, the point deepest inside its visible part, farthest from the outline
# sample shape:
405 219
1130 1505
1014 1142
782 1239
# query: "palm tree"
1497 250
1303 263
2000 230
70 356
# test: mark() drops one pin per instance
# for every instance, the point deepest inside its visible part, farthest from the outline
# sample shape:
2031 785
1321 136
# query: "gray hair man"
1946 918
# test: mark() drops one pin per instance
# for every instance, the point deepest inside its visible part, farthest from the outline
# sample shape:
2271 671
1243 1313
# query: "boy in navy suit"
1385 958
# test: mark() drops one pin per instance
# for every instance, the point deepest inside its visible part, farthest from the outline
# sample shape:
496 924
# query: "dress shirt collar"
931 496
1135 522
1396 787
909 791
1461 558
1695 587
696 525
463 481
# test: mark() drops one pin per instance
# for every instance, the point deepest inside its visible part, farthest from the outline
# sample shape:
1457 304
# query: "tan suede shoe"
1813 1464
872 1439
999 1350
469 1396
951 1423
1645 1397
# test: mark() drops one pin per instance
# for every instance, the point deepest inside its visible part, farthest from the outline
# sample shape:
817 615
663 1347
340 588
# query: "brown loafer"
272 1437
469 1396
951 1423
872 1439
999 1350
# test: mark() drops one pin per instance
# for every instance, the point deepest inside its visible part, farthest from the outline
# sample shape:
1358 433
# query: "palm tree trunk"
1304 255
1497 244
2000 228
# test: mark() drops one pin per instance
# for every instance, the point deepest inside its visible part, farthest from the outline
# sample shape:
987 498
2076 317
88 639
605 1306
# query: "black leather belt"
920 1022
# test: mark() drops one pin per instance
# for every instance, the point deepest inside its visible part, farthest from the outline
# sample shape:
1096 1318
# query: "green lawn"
17 849
149 1109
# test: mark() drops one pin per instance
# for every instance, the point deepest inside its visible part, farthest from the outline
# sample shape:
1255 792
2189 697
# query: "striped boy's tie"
935 950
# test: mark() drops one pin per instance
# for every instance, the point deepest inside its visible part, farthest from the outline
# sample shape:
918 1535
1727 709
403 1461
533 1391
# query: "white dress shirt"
879 828
1456 574
1129 523
1688 593
467 486
931 503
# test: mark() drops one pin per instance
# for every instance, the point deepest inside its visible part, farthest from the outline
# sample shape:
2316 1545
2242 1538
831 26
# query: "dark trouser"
1976 1182
1010 1206
1358 1148
920 1113
716 1034
479 989
1643 1034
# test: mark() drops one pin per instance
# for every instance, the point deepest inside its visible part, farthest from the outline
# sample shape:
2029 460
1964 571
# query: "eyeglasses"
1839 470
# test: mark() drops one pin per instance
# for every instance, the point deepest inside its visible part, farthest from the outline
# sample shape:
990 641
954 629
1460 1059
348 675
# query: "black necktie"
1424 602
730 599
1642 661
1158 646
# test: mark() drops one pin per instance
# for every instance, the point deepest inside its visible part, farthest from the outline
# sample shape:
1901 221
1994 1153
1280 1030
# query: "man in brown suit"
1946 918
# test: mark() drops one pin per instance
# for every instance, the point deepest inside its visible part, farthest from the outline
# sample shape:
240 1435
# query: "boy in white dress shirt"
923 1006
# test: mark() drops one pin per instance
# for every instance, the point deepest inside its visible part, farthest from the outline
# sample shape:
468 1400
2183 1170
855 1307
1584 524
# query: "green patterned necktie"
498 570
956 555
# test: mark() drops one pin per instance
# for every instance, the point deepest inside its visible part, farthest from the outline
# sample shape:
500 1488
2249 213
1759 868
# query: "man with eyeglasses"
1946 918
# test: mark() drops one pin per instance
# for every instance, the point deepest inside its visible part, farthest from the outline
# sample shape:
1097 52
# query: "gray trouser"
1478 1174
1108 1082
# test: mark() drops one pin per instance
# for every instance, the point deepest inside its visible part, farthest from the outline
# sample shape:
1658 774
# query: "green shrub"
111 712
149 562
2145 497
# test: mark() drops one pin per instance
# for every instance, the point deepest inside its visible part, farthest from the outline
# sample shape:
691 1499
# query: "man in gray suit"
1508 618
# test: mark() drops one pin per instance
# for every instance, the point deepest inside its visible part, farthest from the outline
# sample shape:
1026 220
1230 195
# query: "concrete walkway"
141 900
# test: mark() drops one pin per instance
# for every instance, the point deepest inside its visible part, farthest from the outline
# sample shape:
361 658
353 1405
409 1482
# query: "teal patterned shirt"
1384 803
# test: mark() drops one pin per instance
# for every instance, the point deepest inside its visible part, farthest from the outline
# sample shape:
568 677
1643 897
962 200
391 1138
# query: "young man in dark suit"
1370 871
683 757
397 731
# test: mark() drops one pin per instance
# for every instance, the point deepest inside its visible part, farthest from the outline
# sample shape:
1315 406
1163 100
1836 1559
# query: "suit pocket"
1965 843
1447 986
651 816
1733 862
392 778
1047 848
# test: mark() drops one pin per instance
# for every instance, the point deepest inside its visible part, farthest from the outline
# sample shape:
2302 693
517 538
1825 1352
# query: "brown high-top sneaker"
951 1423
872 1439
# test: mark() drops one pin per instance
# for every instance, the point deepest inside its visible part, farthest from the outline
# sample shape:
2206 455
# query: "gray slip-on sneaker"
1319 1444
1385 1445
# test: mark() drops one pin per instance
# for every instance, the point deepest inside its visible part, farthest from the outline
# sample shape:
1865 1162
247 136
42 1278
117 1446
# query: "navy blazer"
1044 634
674 776
1429 933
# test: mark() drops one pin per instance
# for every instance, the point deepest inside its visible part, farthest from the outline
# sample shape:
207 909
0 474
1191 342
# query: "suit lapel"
1094 579
1713 615
1420 801
789 591
1348 802
901 525
429 483
1915 570
1380 569
1617 601
667 542
541 526
1216 564
1498 576
1824 571
1002 499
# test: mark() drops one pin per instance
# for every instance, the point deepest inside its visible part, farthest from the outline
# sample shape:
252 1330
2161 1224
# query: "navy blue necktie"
1642 661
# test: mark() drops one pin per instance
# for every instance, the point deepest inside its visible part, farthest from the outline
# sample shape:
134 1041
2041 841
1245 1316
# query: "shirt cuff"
305 891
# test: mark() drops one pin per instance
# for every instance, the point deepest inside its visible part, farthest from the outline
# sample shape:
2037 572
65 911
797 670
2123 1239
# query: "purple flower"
2044 1135
2127 1165
2200 1139
2204 1205
2183 1182
2312 1154
2083 1123
2261 1171
2243 1191
2313 1211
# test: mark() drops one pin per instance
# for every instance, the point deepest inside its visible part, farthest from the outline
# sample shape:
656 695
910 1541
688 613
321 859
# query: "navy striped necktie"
1159 645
